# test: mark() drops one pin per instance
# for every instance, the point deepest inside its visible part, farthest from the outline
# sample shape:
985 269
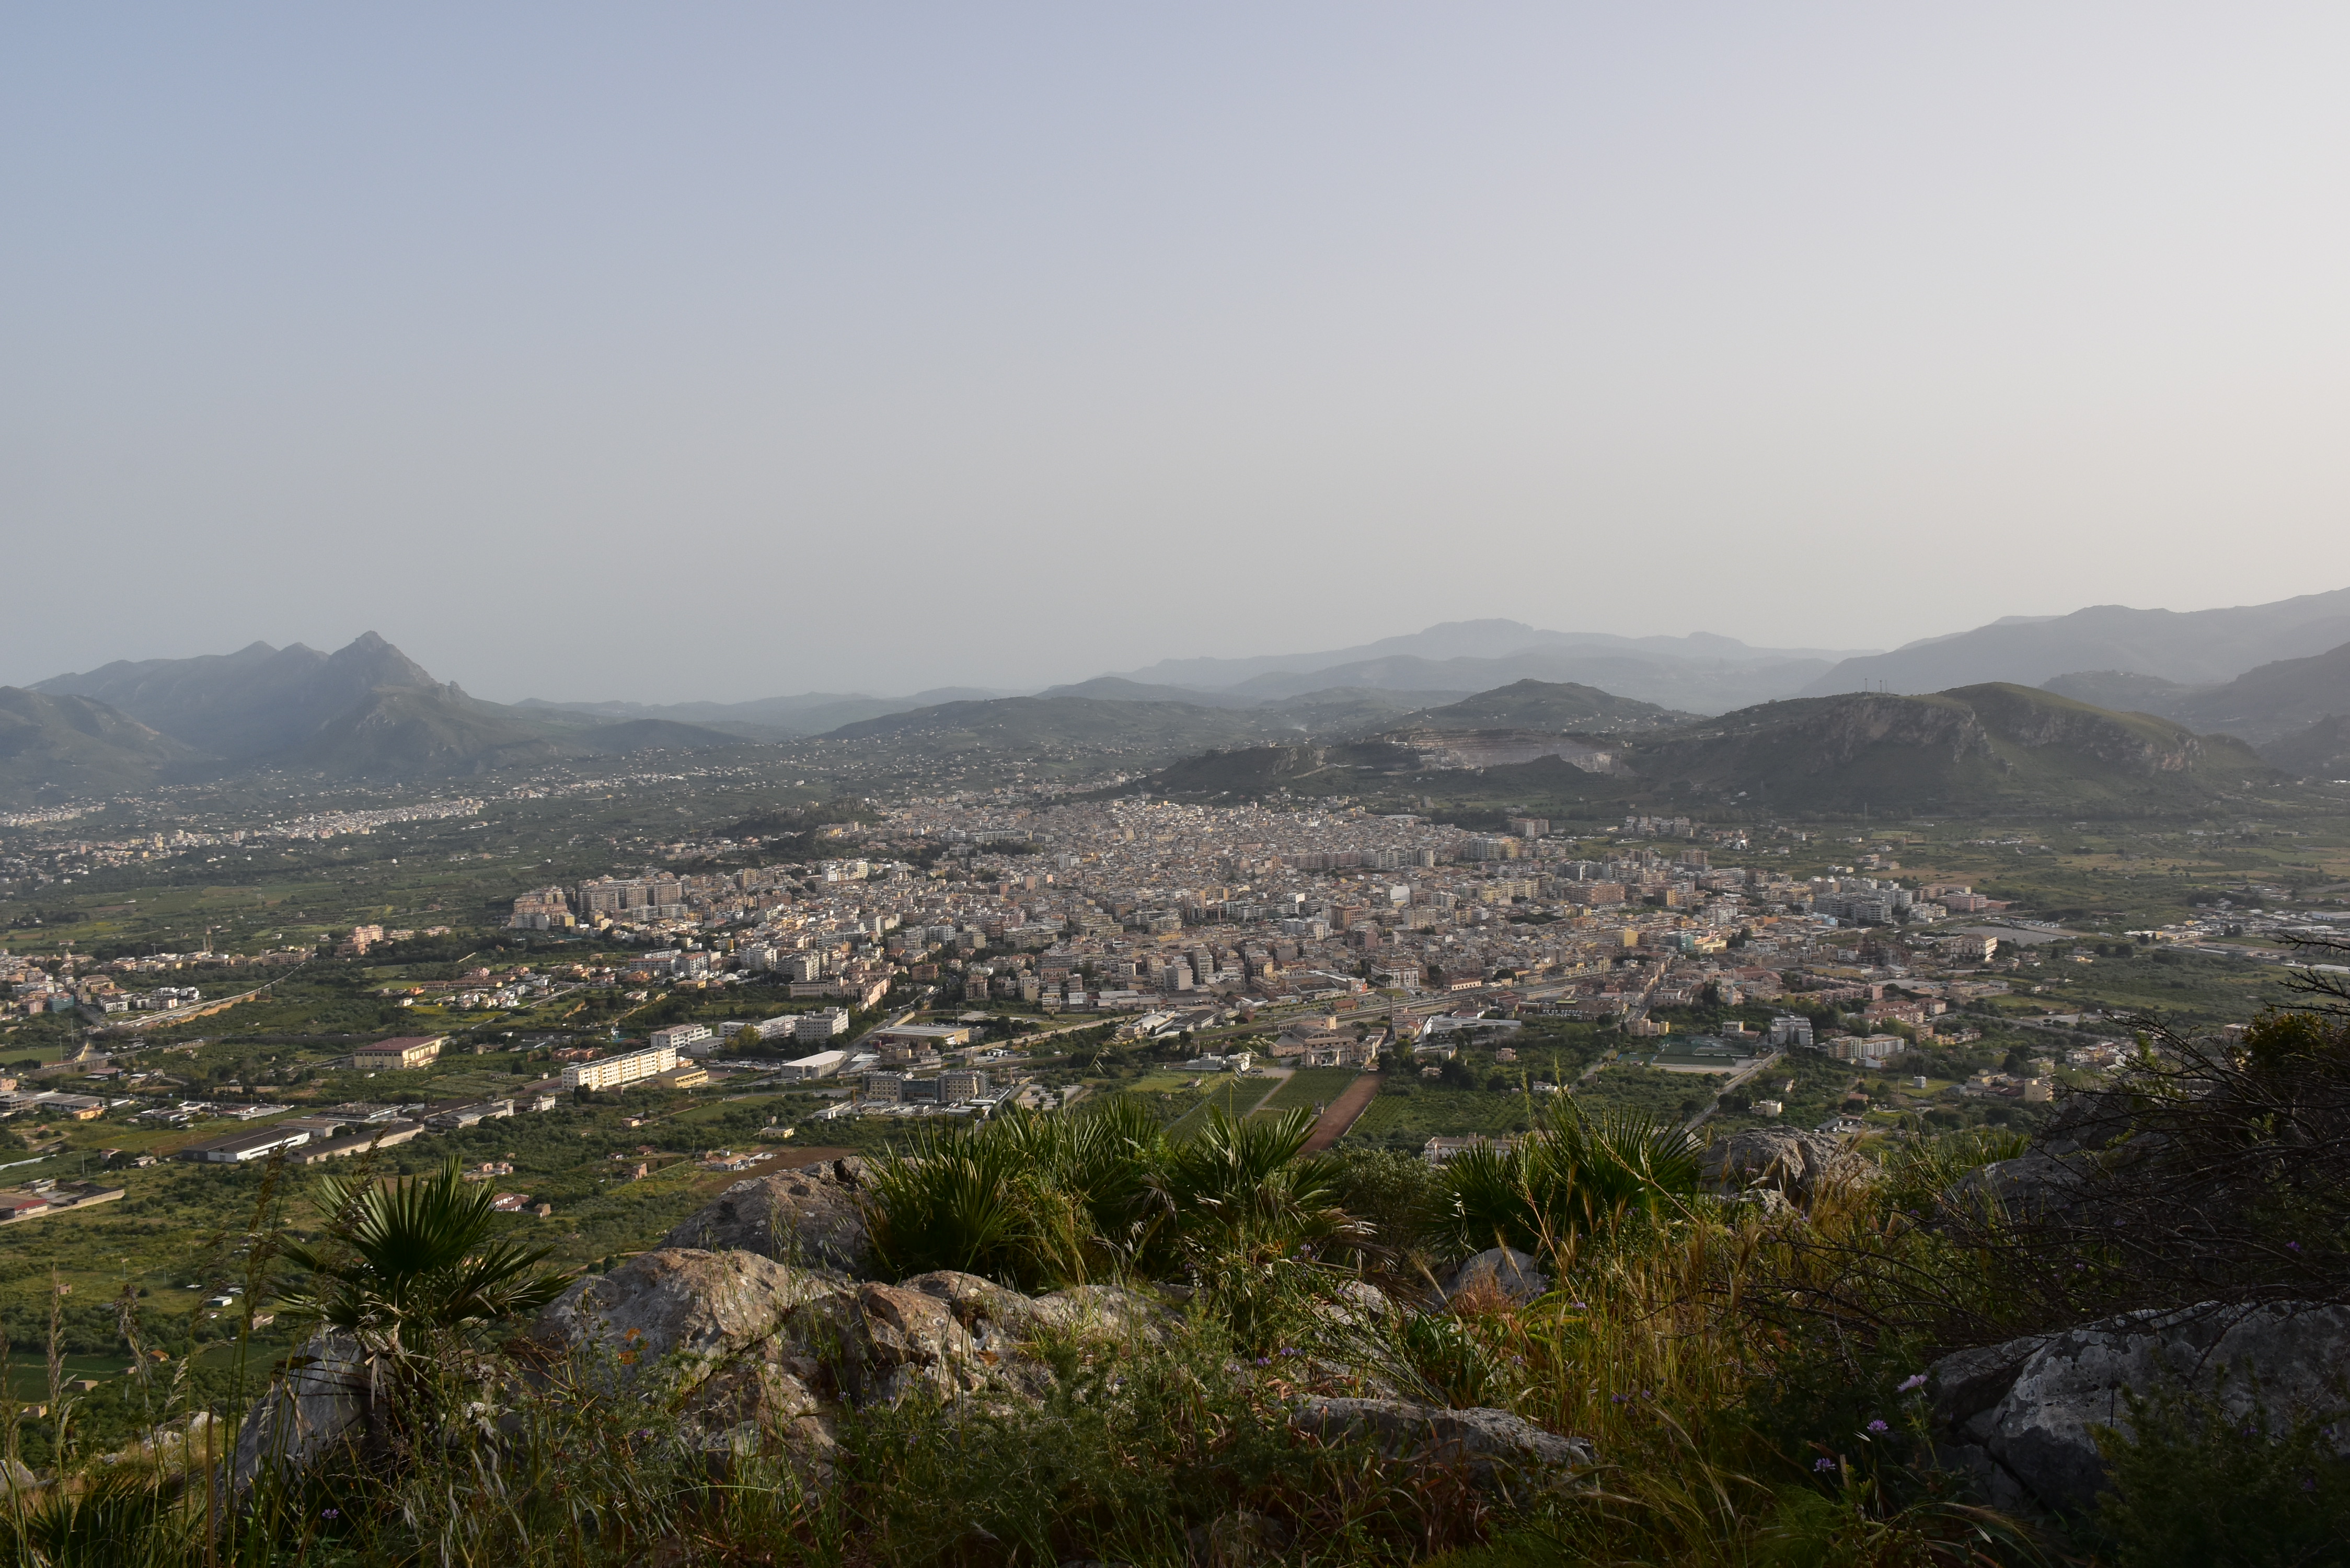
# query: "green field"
1310 1086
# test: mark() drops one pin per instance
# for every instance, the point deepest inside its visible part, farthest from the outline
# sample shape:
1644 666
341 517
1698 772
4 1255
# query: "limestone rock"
883 1343
318 1404
995 1317
1102 1311
1493 1445
1786 1160
748 1405
1513 1274
708 1305
2024 1414
812 1216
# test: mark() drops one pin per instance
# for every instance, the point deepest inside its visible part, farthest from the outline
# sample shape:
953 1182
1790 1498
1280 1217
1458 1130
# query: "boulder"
1494 1445
1785 1160
812 1217
996 1318
317 1404
748 1404
1102 1311
882 1343
707 1306
2024 1414
1502 1271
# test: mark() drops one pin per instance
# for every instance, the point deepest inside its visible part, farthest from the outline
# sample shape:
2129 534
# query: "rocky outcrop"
319 1405
1794 1164
812 1216
2024 1415
704 1305
1494 1447
1503 1272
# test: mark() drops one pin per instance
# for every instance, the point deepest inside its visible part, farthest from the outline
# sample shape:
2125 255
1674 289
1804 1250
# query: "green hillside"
1548 705
1977 748
70 745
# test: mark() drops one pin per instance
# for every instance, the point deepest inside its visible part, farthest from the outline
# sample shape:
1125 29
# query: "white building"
822 1065
616 1072
678 1036
824 1023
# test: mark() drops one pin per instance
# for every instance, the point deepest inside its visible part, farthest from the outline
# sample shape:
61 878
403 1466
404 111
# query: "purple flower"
1580 1307
1288 1350
1878 1426
1912 1383
1824 1464
330 1513
2293 1246
1265 1361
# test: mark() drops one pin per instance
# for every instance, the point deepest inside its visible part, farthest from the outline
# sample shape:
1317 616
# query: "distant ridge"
2190 646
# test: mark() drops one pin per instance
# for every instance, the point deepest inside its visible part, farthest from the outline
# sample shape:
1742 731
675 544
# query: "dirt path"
1352 1101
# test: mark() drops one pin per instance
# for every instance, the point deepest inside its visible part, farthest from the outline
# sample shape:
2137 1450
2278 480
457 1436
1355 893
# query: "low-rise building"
238 1148
405 1051
822 1064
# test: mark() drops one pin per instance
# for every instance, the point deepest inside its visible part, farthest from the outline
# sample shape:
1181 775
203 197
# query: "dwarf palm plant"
1573 1177
1245 1184
406 1263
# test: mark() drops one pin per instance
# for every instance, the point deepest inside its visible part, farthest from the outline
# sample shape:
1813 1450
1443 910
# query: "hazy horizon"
591 354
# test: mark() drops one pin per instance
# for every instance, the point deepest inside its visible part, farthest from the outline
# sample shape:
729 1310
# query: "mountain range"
2274 675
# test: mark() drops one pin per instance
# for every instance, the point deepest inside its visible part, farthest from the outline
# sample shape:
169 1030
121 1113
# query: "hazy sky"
698 350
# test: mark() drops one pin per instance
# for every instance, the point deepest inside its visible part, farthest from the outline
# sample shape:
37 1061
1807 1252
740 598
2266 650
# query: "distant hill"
768 717
2273 700
251 703
2121 690
365 712
56 747
2190 647
1117 688
1992 747
1470 640
1043 726
2320 751
1690 685
1548 705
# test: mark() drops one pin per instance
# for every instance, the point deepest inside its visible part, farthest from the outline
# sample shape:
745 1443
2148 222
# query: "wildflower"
1265 1361
1912 1383
330 1513
1878 1426
1824 1464
1580 1307
1288 1350
2293 1246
